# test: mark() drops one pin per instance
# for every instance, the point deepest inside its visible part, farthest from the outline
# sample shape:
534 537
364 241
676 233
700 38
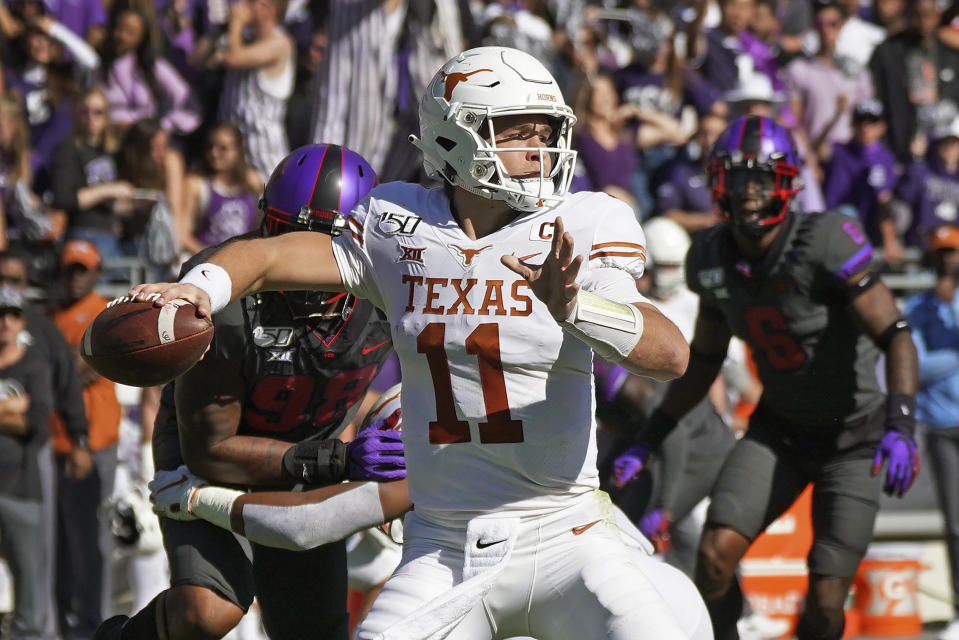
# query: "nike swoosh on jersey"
367 350
532 255
581 530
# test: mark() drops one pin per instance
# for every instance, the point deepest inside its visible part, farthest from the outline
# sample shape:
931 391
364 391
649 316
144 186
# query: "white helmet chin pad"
456 117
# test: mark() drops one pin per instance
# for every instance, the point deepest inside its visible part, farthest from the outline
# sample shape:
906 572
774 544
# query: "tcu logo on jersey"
398 224
272 336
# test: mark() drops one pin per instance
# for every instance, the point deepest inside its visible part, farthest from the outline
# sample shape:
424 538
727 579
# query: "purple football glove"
901 454
376 453
655 526
629 463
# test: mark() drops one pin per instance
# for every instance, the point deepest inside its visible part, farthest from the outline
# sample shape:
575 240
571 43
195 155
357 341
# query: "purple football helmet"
753 150
313 189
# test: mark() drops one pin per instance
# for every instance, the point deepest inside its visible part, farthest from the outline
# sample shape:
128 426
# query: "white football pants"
574 573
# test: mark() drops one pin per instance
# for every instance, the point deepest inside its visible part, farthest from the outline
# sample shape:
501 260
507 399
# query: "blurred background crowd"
134 133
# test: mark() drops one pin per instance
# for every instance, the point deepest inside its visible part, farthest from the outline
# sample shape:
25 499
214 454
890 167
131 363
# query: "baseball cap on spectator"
756 87
869 110
945 237
10 298
82 252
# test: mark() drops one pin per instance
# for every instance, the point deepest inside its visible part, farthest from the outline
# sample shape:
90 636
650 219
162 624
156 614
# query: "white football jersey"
498 404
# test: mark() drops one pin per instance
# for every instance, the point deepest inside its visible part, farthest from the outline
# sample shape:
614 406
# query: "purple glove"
655 526
629 463
902 455
376 453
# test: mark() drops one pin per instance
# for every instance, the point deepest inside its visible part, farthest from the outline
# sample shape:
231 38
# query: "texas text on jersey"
507 393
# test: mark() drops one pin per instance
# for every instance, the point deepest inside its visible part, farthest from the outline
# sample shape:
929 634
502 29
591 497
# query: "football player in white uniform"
495 318
303 520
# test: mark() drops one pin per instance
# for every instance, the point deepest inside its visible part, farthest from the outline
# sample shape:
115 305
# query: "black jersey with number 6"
817 367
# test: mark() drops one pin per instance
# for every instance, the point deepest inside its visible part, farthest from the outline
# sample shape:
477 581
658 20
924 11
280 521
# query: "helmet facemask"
489 176
737 181
458 136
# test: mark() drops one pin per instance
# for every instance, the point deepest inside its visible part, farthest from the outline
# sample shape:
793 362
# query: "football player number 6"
483 342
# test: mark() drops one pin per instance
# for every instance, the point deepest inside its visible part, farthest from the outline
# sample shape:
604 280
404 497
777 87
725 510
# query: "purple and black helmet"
311 186
754 148
313 189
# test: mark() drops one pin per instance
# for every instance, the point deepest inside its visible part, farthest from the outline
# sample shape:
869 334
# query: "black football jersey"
301 377
817 367
301 380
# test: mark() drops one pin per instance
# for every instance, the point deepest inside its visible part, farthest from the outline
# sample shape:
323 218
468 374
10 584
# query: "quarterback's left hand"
553 282
171 491
902 455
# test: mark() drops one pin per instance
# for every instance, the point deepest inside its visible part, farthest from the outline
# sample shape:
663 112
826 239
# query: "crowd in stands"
144 130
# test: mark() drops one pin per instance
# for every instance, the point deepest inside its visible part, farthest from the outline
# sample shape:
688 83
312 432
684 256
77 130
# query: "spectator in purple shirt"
821 88
85 18
724 54
140 84
682 194
861 176
607 149
930 185
45 77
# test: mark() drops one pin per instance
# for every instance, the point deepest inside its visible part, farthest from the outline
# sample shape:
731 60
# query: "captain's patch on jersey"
398 224
542 231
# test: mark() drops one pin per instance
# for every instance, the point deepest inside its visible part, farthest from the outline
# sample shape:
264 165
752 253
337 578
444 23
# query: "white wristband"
611 328
213 504
214 280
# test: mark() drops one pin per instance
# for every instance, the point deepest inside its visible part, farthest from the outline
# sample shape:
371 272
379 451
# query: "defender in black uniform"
262 410
797 288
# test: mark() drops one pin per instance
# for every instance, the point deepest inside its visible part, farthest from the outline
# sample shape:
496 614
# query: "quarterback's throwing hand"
162 292
629 463
554 281
171 491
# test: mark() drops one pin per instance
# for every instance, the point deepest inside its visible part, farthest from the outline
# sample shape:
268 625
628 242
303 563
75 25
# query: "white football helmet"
666 246
457 111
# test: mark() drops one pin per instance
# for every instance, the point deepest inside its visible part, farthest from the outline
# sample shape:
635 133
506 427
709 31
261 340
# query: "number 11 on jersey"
483 342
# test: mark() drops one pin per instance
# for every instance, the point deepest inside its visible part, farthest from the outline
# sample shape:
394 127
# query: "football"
141 345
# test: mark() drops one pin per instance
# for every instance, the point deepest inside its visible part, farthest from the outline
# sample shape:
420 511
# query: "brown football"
139 344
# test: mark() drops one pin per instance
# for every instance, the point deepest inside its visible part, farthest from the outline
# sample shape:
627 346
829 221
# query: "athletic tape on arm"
611 328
